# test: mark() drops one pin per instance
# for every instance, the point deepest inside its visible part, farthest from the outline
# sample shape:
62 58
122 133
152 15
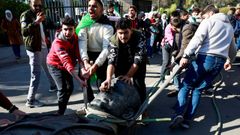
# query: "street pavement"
15 76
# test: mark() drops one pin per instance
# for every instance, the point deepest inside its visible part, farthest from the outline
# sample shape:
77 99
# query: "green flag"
93 78
117 10
86 21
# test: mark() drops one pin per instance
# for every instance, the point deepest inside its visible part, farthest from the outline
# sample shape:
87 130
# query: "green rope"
147 120
120 121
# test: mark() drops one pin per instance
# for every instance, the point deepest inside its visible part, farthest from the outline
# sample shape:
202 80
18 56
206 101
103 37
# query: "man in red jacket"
61 61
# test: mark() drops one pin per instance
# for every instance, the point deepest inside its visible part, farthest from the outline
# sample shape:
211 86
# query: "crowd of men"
104 47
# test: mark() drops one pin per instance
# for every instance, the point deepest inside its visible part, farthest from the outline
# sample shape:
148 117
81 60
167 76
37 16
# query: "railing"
57 9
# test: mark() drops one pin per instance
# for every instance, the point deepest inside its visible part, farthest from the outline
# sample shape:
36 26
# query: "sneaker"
142 119
53 89
185 124
172 93
81 111
34 103
176 121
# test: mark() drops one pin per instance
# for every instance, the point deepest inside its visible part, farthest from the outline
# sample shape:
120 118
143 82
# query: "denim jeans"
199 76
166 61
64 82
177 81
238 43
36 61
16 50
149 47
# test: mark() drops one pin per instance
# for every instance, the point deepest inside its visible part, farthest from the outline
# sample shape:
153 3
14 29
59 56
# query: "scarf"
8 15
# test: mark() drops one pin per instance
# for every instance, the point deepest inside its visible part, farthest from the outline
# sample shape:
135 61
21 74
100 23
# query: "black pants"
16 50
64 82
100 72
139 81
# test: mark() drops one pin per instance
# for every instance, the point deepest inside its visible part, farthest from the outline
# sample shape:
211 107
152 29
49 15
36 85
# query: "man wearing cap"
93 31
214 48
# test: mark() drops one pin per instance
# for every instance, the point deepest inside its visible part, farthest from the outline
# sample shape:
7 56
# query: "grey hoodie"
214 36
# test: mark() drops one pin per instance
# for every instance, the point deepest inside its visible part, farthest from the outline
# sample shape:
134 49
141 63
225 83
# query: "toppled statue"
122 101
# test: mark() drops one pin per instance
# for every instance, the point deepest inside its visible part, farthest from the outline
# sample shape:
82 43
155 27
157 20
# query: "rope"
154 93
154 120
219 123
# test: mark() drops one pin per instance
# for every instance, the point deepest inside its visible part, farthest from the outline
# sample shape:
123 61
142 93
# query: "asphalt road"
15 76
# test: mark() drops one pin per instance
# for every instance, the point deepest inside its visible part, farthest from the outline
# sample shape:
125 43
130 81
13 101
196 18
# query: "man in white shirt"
93 42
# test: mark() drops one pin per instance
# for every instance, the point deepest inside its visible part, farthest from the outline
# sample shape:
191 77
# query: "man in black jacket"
127 58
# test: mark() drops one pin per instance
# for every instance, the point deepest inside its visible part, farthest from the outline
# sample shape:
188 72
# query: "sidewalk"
9 65
7 57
